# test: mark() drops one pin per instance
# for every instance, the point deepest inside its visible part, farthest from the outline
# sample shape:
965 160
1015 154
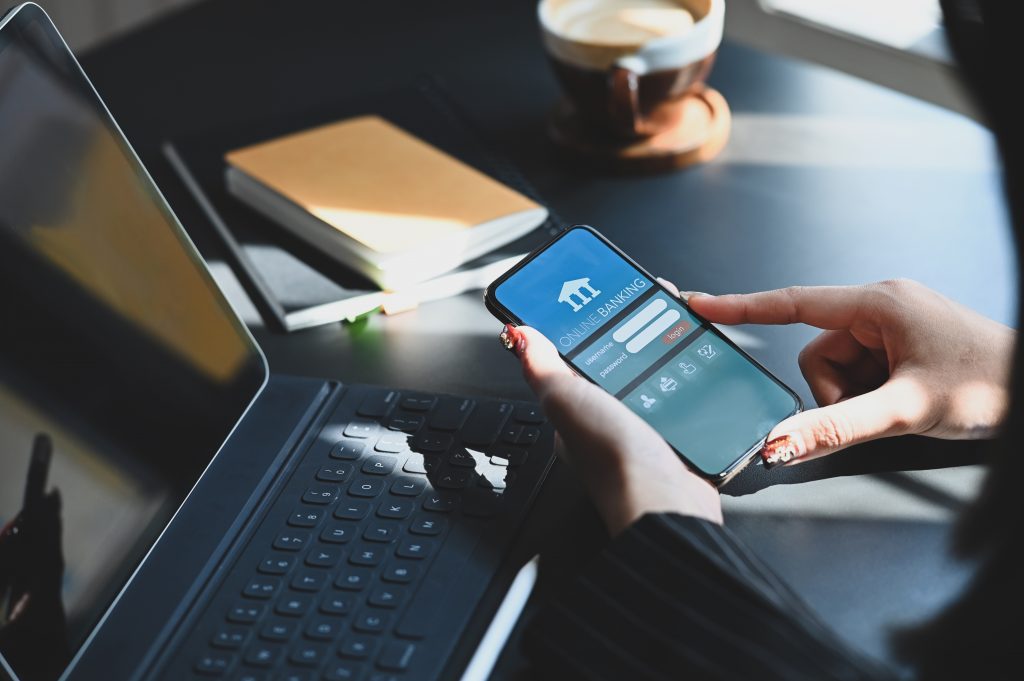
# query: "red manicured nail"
512 340
780 450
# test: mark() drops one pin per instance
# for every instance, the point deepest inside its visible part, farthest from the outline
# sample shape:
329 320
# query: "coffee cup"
627 65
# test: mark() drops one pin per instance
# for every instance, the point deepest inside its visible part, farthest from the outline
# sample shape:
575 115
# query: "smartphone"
615 325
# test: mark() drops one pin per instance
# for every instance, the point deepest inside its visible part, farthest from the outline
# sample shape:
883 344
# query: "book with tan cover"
379 199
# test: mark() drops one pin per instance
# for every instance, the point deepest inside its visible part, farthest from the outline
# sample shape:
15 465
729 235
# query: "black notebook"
292 284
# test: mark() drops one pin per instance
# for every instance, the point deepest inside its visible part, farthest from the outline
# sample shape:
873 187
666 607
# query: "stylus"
504 622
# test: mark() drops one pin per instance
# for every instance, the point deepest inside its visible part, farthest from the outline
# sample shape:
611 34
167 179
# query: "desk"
826 180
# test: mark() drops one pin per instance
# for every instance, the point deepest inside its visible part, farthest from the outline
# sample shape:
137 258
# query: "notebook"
294 285
379 199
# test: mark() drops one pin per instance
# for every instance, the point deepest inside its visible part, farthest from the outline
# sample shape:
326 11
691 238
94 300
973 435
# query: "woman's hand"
895 358
627 468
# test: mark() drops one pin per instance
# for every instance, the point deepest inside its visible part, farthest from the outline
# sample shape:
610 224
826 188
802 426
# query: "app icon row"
671 378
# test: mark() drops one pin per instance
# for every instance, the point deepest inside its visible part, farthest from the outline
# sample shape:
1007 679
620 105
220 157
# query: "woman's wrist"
630 491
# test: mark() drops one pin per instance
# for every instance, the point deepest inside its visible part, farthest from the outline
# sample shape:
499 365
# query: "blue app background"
710 403
534 292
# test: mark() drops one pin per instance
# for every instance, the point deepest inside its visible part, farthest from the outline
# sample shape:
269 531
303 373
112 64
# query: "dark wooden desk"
826 180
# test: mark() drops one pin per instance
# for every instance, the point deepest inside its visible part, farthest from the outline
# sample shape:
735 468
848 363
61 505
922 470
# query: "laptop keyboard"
373 556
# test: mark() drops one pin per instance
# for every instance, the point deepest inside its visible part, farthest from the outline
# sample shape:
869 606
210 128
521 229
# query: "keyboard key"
485 423
357 647
214 664
407 423
276 565
415 548
418 402
510 433
408 487
278 629
336 604
400 572
396 656
379 531
321 495
377 403
360 429
416 464
379 465
323 628
338 533
291 541
262 588
431 443
245 613
323 556
352 509
366 554
442 502
508 456
454 479
338 472
261 655
293 606
385 597
371 621
229 639
309 580
392 443
450 413
395 508
528 436
344 671
427 524
463 458
347 450
353 579
531 414
306 517
366 487
307 654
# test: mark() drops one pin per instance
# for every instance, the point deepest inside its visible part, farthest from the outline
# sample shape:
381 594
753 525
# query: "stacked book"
391 219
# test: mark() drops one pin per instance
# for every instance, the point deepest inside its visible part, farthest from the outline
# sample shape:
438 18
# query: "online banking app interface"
641 345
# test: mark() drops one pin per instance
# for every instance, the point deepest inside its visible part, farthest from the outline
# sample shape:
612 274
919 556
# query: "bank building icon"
577 292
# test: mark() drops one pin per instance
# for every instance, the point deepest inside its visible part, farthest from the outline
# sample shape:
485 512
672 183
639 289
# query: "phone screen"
613 323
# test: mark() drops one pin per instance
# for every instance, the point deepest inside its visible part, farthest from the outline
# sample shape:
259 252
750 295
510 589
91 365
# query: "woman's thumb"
892 409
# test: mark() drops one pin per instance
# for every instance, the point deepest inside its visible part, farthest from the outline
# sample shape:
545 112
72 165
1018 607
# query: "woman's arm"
679 597
675 594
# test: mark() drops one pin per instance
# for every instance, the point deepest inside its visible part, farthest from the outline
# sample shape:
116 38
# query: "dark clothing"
677 597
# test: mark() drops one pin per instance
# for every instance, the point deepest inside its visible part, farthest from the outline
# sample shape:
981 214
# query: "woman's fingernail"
781 450
686 295
512 340
506 337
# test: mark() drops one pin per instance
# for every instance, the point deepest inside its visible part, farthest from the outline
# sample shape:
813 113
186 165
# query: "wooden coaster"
701 133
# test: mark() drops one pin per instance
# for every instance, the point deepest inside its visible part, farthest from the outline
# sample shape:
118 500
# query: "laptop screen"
122 368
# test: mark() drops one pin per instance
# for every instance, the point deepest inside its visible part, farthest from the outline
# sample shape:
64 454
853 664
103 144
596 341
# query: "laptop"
170 508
